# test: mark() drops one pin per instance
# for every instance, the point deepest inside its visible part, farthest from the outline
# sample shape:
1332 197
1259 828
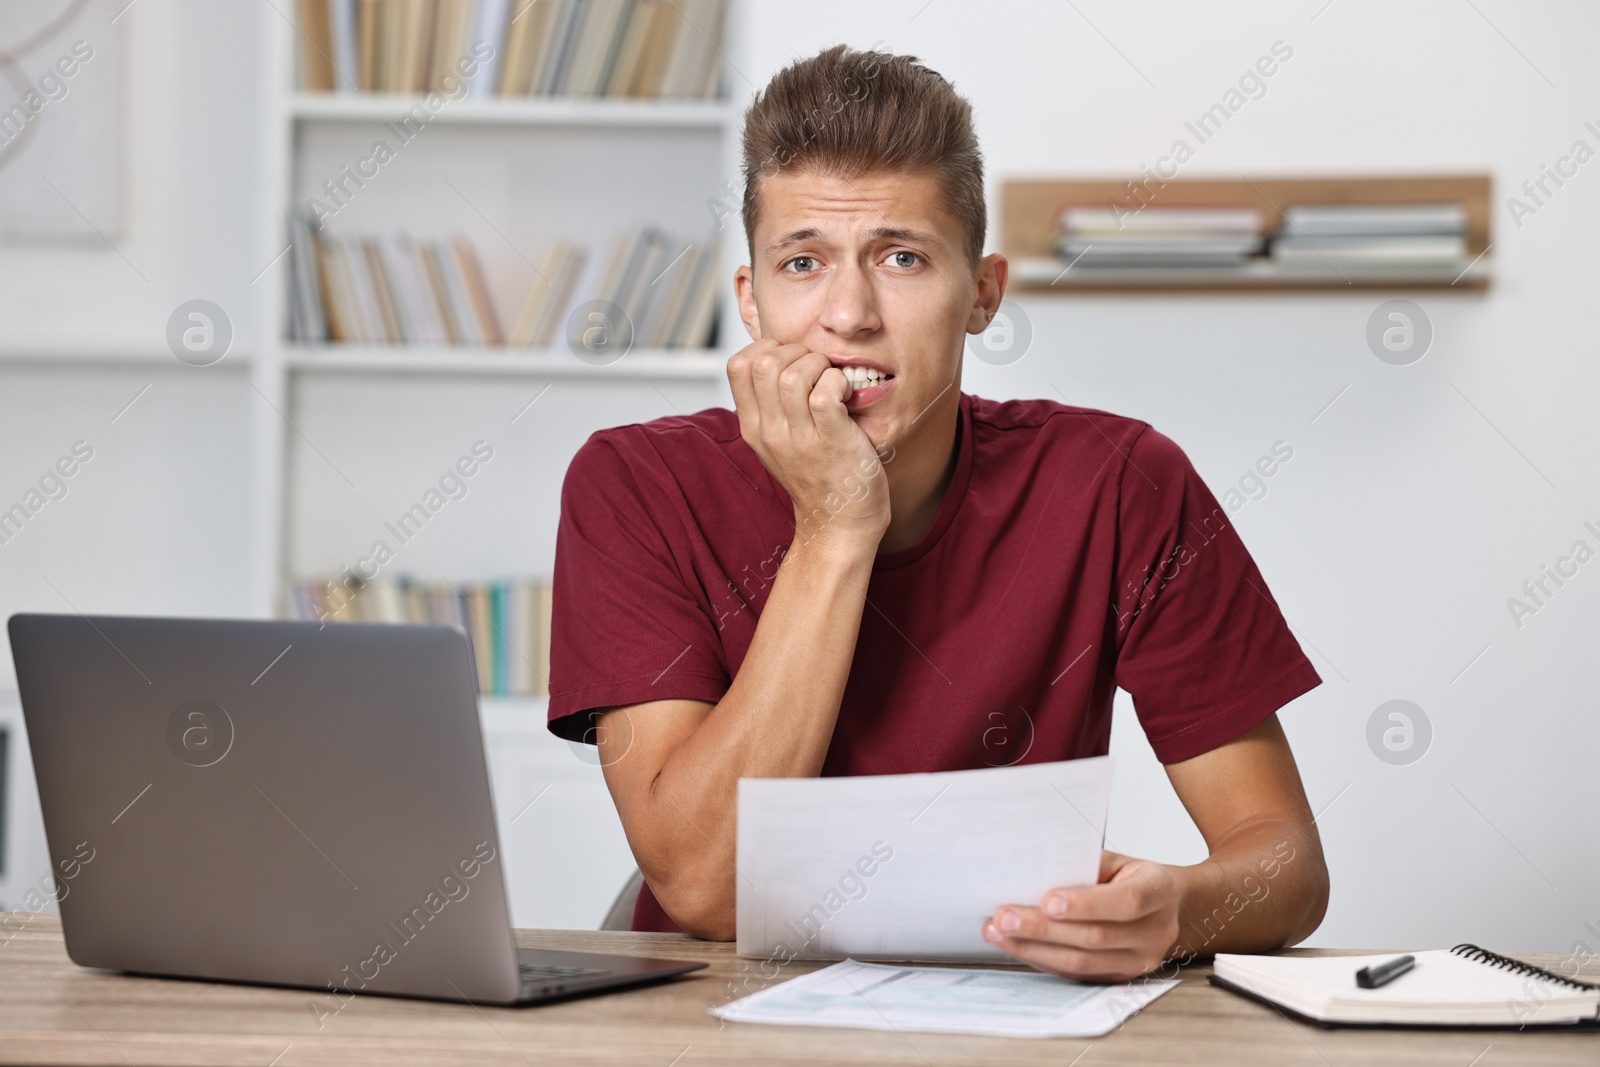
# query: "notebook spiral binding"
1494 959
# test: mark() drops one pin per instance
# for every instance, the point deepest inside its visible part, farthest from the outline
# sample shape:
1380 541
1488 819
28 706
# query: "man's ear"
744 287
992 274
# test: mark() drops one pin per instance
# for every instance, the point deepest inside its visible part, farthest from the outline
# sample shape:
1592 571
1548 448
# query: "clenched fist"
791 405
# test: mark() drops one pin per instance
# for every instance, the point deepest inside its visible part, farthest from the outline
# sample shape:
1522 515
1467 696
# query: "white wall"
157 522
191 80
1392 539
1405 519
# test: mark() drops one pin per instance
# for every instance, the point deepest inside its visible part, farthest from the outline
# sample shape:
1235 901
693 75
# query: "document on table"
875 996
908 866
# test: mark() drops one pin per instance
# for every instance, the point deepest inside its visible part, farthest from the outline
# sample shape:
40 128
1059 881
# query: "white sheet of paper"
908 866
876 996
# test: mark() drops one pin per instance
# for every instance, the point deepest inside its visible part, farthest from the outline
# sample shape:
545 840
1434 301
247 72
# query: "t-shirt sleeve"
1202 646
627 625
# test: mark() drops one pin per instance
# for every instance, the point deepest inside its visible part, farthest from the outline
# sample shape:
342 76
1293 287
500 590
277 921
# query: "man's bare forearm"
680 802
776 721
1264 888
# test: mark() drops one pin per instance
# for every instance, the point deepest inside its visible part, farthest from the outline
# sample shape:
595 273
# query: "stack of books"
665 287
1383 236
388 290
583 48
396 289
507 623
1159 237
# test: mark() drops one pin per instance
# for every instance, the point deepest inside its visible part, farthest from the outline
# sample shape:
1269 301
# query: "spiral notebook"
1465 986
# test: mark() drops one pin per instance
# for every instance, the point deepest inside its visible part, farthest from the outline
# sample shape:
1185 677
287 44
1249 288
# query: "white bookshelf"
514 174
523 171
309 134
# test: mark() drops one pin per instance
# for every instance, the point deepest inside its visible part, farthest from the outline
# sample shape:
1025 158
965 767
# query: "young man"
863 570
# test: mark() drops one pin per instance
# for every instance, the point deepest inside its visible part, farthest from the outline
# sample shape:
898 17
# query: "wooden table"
54 1012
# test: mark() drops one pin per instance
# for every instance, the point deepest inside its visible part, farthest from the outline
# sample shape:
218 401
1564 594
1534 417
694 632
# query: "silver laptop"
278 802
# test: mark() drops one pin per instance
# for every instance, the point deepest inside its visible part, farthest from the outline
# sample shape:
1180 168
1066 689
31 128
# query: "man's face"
872 272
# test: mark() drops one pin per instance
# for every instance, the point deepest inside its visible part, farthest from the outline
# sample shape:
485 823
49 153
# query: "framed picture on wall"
60 120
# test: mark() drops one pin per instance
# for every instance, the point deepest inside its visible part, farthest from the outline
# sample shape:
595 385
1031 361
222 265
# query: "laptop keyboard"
538 972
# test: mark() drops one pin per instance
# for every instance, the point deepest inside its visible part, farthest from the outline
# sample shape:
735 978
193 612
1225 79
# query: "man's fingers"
767 366
1086 950
741 381
1115 930
827 400
829 394
1118 965
1129 889
1031 924
1112 902
1111 863
1123 900
796 382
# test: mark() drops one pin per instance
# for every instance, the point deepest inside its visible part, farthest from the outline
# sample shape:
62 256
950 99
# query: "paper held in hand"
909 866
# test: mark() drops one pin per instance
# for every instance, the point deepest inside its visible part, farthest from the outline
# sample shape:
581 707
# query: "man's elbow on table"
1315 893
702 906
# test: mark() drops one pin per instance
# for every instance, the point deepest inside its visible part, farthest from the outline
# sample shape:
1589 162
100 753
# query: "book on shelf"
658 49
1392 236
317 49
1177 236
1351 220
1424 250
470 271
551 290
1103 221
487 17
507 623
525 46
451 39
307 316
402 290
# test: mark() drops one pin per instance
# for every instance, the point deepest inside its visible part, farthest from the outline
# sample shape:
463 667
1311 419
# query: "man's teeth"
863 376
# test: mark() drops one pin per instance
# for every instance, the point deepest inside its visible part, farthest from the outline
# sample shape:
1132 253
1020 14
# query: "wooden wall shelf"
1029 210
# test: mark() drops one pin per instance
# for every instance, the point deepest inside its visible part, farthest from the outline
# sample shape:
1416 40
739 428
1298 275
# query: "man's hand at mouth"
791 405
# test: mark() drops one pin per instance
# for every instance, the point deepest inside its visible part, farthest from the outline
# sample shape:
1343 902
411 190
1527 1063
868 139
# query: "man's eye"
802 264
905 259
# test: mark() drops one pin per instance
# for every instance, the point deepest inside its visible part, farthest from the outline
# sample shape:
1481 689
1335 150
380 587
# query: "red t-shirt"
1075 551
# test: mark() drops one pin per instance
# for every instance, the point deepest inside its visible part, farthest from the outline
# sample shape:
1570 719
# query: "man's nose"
851 308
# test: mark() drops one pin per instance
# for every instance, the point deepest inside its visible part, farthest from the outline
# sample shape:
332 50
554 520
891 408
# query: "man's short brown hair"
845 113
